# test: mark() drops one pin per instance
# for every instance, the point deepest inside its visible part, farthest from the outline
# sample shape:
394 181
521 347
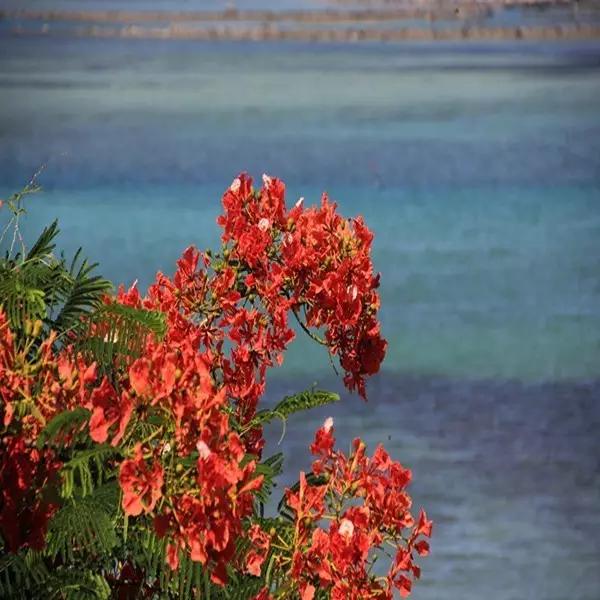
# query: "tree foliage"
131 456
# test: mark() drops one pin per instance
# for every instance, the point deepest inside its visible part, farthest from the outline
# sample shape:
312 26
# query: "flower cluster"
227 324
181 408
24 511
192 472
312 262
34 374
365 503
39 383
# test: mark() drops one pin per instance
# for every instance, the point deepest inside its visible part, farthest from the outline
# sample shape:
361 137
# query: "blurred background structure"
467 134
312 20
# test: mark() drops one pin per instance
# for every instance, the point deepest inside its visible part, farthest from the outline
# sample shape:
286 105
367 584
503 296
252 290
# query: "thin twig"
316 338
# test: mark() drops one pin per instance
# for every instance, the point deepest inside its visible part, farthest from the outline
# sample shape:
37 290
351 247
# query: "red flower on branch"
366 505
109 408
141 485
24 512
261 543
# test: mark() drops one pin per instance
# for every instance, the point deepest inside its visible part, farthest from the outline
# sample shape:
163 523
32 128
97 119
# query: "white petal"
203 449
346 528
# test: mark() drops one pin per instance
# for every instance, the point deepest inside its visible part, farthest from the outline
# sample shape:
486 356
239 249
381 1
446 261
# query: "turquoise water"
477 167
477 281
479 172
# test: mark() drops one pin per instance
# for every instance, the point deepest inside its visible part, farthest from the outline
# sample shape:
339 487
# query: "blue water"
477 167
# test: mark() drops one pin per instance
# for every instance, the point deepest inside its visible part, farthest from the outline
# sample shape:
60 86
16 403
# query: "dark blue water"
477 167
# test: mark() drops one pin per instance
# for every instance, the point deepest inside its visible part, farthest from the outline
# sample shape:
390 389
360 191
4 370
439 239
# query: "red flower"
371 349
10 381
339 559
261 543
173 556
307 502
108 409
324 440
307 591
422 547
139 374
24 513
424 526
404 585
142 486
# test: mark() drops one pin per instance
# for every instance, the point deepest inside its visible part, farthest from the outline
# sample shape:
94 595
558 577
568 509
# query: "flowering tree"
131 462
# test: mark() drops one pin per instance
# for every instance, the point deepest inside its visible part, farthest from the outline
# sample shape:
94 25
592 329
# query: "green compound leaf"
296 403
65 423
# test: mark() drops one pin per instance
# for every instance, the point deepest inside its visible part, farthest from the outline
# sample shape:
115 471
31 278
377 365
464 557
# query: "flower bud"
37 328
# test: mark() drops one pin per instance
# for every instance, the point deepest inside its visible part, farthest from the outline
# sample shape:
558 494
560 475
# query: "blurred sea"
478 169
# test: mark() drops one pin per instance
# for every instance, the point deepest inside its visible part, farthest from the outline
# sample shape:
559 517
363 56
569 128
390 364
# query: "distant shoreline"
447 12
448 21
428 10
269 33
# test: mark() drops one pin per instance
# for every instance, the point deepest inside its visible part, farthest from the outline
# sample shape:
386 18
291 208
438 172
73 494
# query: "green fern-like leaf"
44 245
117 332
106 496
81 294
152 320
295 403
148 552
86 470
242 587
25 576
21 574
40 286
77 584
22 300
63 424
270 469
81 527
305 401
